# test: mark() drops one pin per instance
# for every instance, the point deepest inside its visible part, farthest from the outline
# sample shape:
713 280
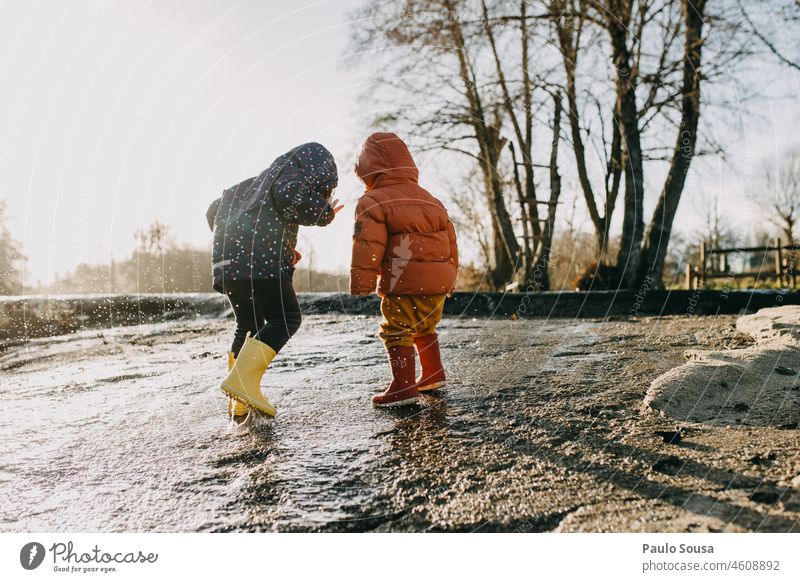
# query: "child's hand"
336 205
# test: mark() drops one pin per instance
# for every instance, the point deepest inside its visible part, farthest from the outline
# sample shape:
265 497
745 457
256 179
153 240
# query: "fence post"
703 263
688 276
779 261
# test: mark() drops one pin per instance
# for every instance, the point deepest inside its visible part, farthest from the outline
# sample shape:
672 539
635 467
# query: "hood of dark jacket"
385 159
256 221
307 166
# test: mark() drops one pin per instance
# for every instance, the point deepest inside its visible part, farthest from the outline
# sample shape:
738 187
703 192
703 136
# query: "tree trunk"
541 277
613 175
629 256
503 269
504 235
527 264
655 249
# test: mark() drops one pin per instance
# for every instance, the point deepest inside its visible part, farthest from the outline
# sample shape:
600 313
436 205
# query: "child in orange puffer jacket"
405 249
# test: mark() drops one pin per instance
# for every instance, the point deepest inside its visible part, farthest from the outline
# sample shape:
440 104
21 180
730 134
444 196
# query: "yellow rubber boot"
235 408
244 379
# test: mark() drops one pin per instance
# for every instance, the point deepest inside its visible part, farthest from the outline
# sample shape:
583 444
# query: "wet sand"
541 428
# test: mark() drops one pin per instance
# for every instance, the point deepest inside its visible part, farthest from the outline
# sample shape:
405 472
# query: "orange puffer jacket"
403 240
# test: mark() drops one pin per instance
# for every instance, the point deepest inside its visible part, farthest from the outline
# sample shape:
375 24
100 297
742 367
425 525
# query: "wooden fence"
780 267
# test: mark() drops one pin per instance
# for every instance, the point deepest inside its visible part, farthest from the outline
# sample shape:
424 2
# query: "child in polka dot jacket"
255 226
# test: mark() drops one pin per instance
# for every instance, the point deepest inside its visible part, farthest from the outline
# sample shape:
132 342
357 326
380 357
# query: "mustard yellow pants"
406 317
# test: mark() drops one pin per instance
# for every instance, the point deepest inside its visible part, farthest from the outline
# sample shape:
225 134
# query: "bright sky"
115 113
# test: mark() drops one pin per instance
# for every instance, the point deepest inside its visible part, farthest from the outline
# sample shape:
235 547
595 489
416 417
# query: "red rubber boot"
432 373
403 389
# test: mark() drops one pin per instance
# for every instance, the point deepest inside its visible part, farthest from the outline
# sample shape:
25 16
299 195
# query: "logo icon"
31 555
403 257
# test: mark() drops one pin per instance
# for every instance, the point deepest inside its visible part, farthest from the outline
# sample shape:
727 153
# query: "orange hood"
385 159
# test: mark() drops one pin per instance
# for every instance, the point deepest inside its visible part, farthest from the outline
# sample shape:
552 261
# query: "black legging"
267 309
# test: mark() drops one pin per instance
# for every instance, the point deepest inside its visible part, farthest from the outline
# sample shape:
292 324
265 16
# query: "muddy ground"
540 429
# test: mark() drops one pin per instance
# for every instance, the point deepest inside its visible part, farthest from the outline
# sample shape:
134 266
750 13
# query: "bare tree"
540 279
656 50
469 218
784 11
152 239
656 240
617 17
783 194
151 270
716 232
470 85
569 19
671 91
431 84
474 96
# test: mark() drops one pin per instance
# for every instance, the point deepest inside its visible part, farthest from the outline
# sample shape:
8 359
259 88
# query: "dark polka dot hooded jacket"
255 222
